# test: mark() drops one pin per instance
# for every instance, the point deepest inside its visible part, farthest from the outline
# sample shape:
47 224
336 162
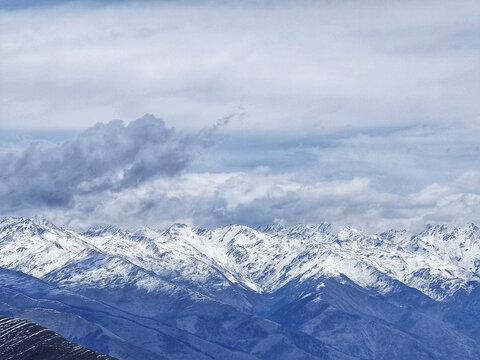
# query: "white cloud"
320 66
260 197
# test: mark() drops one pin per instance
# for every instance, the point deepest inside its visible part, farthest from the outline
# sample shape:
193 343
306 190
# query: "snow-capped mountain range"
302 292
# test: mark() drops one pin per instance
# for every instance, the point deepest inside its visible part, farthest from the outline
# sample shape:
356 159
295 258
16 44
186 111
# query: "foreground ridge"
25 340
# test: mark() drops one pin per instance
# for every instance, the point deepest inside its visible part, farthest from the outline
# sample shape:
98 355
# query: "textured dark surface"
25 340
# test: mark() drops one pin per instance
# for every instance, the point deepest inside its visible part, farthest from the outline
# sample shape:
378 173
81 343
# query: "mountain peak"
36 224
102 230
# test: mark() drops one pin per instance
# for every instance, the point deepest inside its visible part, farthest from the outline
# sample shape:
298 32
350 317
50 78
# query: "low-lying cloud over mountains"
146 173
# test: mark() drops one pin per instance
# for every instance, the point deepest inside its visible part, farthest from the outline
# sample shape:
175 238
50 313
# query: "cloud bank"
145 173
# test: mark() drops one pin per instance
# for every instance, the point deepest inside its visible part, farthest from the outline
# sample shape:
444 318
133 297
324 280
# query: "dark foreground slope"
25 340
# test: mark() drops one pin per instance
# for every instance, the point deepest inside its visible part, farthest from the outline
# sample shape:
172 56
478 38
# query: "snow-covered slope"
438 261
307 291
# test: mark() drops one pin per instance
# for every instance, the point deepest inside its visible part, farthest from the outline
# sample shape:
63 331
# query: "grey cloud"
206 134
105 158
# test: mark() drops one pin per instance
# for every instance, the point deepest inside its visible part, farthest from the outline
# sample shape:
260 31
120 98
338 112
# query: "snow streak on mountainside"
304 292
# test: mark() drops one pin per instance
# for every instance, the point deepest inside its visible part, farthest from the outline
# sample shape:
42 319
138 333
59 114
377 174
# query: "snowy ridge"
262 259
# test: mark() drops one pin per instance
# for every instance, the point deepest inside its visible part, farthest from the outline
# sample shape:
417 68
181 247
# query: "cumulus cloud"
105 158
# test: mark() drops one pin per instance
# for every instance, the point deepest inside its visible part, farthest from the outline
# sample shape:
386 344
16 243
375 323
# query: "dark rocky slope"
25 340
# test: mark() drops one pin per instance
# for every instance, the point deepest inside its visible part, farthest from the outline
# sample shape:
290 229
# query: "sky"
148 113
